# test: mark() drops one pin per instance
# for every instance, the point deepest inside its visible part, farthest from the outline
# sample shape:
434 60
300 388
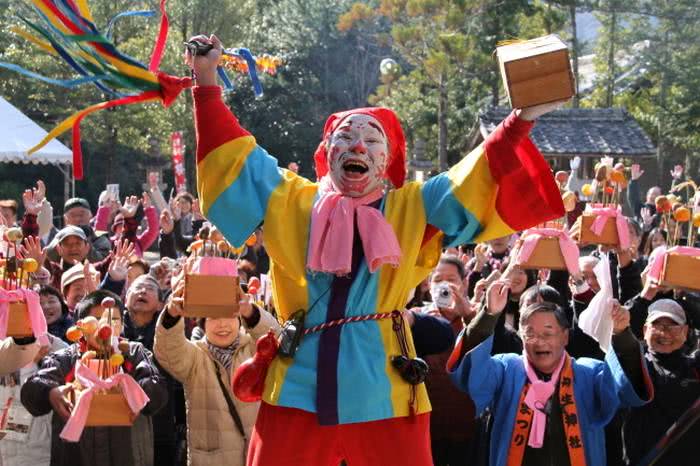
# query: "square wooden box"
18 323
109 409
211 296
546 255
608 237
536 71
682 272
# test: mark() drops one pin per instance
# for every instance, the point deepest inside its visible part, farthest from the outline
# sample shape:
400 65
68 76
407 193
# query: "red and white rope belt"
349 320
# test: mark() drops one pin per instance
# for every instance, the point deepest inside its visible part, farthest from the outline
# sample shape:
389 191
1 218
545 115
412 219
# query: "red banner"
179 162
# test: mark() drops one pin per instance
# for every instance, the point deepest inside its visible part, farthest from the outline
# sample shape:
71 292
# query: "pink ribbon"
602 215
136 398
568 248
37 319
536 399
333 231
657 259
219 266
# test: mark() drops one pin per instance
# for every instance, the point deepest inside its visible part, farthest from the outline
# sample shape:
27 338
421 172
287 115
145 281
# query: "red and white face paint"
358 155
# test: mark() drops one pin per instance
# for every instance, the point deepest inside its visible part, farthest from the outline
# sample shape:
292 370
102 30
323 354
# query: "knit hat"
396 142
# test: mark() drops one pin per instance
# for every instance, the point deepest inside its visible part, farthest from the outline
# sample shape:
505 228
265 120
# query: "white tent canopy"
18 133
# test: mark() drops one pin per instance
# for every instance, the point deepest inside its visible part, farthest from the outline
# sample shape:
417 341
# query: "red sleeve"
149 236
30 226
527 193
215 124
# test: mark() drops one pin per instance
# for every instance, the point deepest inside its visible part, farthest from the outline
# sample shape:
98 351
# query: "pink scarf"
332 234
536 399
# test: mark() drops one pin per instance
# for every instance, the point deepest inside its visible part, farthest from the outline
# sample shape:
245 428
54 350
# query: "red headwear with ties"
396 142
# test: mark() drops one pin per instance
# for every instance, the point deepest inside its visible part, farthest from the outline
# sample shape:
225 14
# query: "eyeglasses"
546 337
673 329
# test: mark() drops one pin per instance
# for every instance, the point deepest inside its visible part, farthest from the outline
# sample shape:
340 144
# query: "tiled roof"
581 131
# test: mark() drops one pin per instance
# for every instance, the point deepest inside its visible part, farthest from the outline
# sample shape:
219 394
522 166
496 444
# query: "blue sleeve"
114 286
479 374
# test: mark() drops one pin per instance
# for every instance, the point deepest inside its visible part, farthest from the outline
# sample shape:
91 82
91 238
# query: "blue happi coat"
496 382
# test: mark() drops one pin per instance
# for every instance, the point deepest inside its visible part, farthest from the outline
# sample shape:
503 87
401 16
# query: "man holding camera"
452 422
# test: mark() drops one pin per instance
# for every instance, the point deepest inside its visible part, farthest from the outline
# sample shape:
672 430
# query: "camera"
442 294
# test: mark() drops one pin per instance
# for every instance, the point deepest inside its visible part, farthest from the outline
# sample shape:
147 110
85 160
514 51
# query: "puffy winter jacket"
212 436
98 446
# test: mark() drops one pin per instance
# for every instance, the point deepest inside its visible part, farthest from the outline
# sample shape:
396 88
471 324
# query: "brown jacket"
212 436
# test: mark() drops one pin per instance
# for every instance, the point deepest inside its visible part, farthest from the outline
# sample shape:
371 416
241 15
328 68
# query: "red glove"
248 379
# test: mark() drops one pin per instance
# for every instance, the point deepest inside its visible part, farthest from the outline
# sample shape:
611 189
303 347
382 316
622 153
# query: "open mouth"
542 354
355 166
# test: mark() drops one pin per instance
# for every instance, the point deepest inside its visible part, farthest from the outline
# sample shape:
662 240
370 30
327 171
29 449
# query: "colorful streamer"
66 29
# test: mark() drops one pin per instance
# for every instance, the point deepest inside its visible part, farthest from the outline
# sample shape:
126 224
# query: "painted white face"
357 155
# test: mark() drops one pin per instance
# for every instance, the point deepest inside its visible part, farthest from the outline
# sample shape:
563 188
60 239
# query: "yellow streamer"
68 123
34 40
84 10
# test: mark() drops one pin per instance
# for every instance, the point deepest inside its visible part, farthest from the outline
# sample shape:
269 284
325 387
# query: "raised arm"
502 186
235 176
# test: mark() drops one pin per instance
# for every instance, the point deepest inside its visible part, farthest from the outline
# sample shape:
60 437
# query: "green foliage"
332 52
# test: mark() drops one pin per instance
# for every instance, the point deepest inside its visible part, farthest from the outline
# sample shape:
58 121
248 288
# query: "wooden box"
608 237
536 71
546 255
18 323
681 272
211 296
109 408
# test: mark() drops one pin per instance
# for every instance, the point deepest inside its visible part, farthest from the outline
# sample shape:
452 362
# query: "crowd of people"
511 377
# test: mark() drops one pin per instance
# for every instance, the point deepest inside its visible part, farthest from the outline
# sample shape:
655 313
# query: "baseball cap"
666 308
75 202
70 230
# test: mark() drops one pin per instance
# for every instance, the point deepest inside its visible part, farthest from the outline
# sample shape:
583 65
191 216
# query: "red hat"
396 166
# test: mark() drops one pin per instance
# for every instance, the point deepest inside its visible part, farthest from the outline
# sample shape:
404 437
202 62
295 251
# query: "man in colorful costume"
348 253
547 407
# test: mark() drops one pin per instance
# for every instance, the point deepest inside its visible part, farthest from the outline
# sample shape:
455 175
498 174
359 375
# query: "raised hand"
118 268
620 317
32 249
575 163
175 209
497 297
533 113
175 303
197 211
34 198
647 217
92 279
677 172
635 171
124 248
146 200
167 225
131 203
204 66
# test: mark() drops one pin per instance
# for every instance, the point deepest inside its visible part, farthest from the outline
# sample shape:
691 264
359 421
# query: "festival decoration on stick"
678 266
602 222
20 312
103 394
67 30
211 280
